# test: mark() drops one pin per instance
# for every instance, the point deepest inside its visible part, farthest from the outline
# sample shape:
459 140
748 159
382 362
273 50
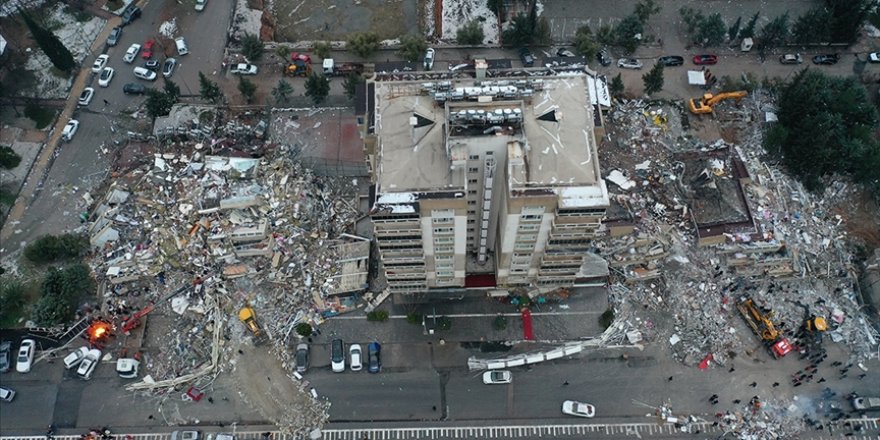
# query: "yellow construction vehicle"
706 104
249 318
764 328
298 68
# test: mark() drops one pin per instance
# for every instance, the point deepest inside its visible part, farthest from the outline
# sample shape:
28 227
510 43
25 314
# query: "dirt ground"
334 20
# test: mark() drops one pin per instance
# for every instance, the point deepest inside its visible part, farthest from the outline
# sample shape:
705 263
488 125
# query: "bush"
606 319
42 117
363 44
303 329
251 47
470 34
51 248
12 298
61 292
500 322
322 49
283 52
414 318
377 316
412 48
444 323
9 159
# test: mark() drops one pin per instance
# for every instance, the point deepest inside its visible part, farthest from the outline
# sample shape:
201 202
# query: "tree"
9 159
317 88
691 18
171 89
584 43
52 248
749 30
247 88
322 49
616 87
812 27
653 79
363 44
351 83
412 47
61 292
496 6
282 92
12 296
303 329
471 34
711 30
834 137
733 31
627 33
252 47
645 9
775 32
519 33
159 103
847 17
58 54
209 90
377 316
605 35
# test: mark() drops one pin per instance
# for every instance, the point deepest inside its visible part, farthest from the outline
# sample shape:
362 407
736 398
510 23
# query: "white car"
100 62
144 73
131 53
337 356
874 57
86 96
185 435
356 355
74 358
200 5
6 394
578 409
629 63
244 69
25 356
70 129
428 64
495 377
106 77
87 367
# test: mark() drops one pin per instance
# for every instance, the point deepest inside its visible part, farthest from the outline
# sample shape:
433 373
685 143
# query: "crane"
706 103
134 320
764 328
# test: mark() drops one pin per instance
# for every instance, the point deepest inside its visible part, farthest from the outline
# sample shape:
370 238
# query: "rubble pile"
696 227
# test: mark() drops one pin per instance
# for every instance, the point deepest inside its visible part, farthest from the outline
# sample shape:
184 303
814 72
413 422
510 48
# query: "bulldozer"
761 324
298 68
249 318
706 103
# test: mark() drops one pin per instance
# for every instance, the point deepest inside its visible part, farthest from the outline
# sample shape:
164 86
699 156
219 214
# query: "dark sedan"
670 60
827 59
374 357
705 59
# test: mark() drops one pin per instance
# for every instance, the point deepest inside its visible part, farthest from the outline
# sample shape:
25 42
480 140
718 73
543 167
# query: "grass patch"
41 116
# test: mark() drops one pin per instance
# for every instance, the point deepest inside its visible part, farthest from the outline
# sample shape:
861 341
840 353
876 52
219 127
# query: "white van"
144 73
182 49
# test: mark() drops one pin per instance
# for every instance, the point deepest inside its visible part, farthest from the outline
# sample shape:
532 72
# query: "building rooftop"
423 129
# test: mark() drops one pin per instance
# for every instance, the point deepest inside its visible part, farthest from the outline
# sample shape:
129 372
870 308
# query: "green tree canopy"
645 9
52 248
282 92
471 34
733 31
704 30
159 103
836 135
9 159
322 49
62 290
520 32
363 44
812 27
774 33
653 79
58 54
847 17
628 32
247 88
351 83
317 88
251 47
585 43
209 90
616 87
412 48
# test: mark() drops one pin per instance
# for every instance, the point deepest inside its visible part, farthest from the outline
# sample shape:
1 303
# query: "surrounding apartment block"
485 182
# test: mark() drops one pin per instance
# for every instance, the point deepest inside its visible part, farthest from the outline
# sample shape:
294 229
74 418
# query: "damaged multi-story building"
485 182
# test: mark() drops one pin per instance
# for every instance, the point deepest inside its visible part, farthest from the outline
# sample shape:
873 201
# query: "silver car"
629 63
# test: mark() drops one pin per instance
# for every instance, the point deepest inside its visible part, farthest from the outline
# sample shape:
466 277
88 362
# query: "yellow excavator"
706 103
764 328
249 318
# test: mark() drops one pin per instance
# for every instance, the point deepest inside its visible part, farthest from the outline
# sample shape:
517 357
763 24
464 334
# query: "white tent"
696 78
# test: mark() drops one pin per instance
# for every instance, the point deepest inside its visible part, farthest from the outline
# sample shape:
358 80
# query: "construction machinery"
706 103
298 68
812 329
763 327
249 318
332 68
131 322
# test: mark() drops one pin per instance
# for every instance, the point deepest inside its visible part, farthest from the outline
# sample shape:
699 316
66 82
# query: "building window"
527 237
474 157
472 192
471 202
445 274
470 230
444 240
443 231
523 246
442 250
471 221
473 181
528 228
474 170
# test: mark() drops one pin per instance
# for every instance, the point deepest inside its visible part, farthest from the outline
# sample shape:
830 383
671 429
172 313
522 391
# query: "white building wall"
428 246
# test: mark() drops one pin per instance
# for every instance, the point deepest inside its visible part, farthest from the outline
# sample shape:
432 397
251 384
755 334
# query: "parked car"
100 63
791 58
355 355
168 67
528 60
671 60
563 52
578 409
75 357
131 53
134 89
629 63
5 356
114 37
25 356
826 59
130 14
705 59
874 57
496 377
428 64
147 51
106 77
185 435
144 73
70 130
244 69
86 96
88 364
6 394
301 358
152 65
182 48
337 356
866 403
374 357
200 5
604 58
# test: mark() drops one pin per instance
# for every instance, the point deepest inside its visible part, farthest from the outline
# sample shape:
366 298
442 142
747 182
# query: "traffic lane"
79 166
35 394
389 395
205 35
